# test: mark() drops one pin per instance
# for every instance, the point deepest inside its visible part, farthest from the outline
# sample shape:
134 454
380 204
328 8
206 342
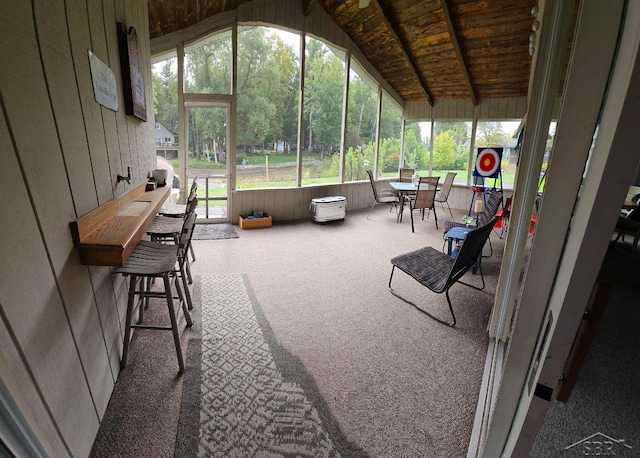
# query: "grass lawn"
203 167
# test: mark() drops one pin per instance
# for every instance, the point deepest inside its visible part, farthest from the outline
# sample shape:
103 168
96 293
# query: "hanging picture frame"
132 66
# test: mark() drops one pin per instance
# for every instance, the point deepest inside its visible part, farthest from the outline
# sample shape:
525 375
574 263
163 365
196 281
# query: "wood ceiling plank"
462 62
388 19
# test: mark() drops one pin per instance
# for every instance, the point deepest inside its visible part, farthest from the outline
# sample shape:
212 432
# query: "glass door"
206 152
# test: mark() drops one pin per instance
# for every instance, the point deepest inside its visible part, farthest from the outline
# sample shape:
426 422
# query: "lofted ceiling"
425 49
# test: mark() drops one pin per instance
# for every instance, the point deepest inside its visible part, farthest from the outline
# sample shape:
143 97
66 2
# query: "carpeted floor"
247 395
605 398
385 380
214 232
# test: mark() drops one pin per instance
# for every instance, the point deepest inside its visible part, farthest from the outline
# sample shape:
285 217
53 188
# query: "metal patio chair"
381 195
439 271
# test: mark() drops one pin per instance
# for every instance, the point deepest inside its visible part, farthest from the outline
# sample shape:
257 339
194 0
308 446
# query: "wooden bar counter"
107 235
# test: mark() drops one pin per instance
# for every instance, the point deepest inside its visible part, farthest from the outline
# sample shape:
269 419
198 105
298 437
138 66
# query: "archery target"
488 162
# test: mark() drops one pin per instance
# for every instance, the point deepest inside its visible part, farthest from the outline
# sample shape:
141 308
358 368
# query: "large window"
390 132
501 134
417 144
324 78
207 65
362 118
165 97
267 107
451 148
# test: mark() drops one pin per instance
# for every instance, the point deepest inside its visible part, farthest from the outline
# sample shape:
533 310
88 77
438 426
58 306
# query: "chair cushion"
428 266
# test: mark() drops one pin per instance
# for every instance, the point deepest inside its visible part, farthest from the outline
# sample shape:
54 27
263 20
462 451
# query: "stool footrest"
143 293
150 326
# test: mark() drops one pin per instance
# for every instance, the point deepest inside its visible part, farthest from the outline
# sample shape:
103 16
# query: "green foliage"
490 133
357 162
444 150
416 154
361 118
324 82
389 155
165 96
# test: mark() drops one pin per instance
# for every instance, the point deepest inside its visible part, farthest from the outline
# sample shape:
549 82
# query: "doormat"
214 232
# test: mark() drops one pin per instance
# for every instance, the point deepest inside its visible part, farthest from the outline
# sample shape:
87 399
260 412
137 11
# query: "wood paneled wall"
507 108
292 204
61 323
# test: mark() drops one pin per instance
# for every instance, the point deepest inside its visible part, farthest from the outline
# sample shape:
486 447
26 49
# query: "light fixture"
535 27
363 3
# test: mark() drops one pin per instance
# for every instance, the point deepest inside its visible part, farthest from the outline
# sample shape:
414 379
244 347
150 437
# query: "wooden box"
254 223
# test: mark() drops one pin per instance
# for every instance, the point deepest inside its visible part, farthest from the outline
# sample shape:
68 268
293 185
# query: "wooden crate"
254 223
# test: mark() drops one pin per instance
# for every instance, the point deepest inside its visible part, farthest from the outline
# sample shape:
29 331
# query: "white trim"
556 23
608 174
569 245
15 433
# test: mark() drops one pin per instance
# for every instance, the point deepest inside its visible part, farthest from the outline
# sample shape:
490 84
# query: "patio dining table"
404 189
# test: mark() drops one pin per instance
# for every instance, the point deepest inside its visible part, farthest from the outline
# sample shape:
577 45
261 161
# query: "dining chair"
443 196
381 195
406 175
424 198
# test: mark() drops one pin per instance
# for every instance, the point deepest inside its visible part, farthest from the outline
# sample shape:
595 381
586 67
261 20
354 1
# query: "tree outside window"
361 124
322 120
267 107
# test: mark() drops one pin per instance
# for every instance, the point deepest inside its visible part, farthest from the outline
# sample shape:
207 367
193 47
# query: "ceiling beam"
393 27
456 47
308 6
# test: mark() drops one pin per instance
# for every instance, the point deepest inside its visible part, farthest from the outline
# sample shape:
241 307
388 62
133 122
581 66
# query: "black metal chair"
439 271
493 200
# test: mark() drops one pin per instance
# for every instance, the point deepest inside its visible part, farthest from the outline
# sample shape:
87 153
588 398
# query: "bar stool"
168 228
151 260
180 211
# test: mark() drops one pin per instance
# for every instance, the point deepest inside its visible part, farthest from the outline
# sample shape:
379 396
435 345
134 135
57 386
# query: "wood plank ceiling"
425 49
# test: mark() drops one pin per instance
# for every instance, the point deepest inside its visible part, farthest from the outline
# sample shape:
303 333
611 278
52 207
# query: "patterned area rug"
244 395
214 232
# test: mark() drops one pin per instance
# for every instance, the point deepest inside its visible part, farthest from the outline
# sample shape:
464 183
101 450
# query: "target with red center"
488 162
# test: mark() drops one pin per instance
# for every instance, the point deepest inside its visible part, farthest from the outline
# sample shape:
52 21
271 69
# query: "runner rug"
217 231
244 395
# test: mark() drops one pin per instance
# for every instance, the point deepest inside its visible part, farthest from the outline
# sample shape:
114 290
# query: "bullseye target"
488 162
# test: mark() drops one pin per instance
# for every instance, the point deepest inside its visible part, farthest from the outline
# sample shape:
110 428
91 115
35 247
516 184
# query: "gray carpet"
214 232
244 395
605 398
396 383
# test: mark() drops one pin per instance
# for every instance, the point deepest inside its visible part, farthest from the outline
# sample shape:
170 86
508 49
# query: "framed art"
131 63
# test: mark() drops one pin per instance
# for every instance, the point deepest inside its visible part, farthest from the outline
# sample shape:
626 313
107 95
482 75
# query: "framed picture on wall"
132 65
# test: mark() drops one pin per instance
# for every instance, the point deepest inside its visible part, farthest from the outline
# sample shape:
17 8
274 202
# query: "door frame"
207 101
547 323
